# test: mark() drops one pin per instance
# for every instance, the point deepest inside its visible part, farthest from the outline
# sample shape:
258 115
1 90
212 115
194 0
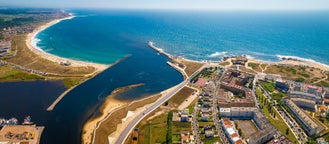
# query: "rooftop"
301 114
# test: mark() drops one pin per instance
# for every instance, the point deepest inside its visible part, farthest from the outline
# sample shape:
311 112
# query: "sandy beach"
31 44
110 105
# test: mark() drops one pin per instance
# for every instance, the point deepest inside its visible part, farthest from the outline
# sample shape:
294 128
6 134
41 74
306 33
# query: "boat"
27 120
12 121
2 122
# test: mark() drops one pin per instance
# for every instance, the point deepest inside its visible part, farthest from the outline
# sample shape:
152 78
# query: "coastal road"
123 136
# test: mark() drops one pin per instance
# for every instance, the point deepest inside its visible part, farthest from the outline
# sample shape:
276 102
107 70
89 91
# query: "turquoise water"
105 36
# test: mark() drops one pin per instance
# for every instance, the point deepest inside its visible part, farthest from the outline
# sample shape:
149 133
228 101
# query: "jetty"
179 69
52 106
159 50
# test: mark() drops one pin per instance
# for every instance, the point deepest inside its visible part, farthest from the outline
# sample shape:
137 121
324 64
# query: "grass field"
179 127
298 73
154 131
269 86
191 66
180 97
255 66
211 141
9 73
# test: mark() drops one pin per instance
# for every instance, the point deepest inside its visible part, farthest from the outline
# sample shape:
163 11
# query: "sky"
175 4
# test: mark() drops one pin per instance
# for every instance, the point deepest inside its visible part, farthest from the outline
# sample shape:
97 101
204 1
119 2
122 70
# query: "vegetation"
169 131
179 97
70 82
212 140
178 127
278 95
299 79
269 86
254 66
19 17
190 66
299 73
8 73
110 124
270 113
154 131
324 83
239 95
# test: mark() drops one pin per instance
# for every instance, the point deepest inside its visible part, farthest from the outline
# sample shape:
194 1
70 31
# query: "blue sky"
176 4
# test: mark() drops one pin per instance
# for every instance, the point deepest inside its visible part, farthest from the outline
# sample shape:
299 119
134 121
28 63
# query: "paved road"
195 125
215 111
123 136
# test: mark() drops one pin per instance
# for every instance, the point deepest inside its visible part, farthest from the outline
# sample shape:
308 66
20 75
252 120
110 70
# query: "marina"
14 121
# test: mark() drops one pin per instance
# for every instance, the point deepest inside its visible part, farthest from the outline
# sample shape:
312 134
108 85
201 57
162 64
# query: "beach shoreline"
283 60
31 44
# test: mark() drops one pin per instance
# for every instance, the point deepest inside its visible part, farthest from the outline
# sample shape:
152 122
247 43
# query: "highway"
123 136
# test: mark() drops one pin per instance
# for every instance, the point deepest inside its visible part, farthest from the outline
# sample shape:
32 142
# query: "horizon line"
167 9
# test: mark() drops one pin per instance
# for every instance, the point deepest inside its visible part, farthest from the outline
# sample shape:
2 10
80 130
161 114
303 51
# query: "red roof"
239 142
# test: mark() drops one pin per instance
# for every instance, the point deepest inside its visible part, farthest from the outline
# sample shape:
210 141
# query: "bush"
299 79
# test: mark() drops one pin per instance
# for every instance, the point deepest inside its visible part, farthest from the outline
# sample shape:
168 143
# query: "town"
233 106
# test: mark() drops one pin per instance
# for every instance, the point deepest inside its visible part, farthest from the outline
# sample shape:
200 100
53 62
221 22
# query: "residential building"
266 129
230 131
309 96
304 103
303 119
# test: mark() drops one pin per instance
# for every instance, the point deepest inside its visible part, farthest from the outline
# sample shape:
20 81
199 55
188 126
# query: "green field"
212 140
154 131
8 73
269 86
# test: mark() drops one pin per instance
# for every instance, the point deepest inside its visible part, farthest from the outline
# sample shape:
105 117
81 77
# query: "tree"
169 124
240 132
287 131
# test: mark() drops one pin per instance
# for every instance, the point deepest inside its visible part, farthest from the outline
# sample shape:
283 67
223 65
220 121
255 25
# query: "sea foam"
218 54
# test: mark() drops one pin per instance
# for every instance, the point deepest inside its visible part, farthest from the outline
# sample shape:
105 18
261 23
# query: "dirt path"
323 79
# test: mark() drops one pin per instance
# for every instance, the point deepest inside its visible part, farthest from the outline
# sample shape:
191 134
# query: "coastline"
31 44
290 60
293 62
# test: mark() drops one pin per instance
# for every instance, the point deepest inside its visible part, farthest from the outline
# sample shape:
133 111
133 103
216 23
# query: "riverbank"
116 120
107 108
32 45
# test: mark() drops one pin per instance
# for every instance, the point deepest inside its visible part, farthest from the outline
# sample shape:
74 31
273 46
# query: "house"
209 133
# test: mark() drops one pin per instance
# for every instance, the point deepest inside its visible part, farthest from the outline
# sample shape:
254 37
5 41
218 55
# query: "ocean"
99 36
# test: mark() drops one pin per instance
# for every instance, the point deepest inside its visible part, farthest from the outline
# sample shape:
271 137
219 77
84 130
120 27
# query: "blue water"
98 36
106 36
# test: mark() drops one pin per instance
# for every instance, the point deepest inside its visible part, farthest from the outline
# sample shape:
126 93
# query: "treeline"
169 132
